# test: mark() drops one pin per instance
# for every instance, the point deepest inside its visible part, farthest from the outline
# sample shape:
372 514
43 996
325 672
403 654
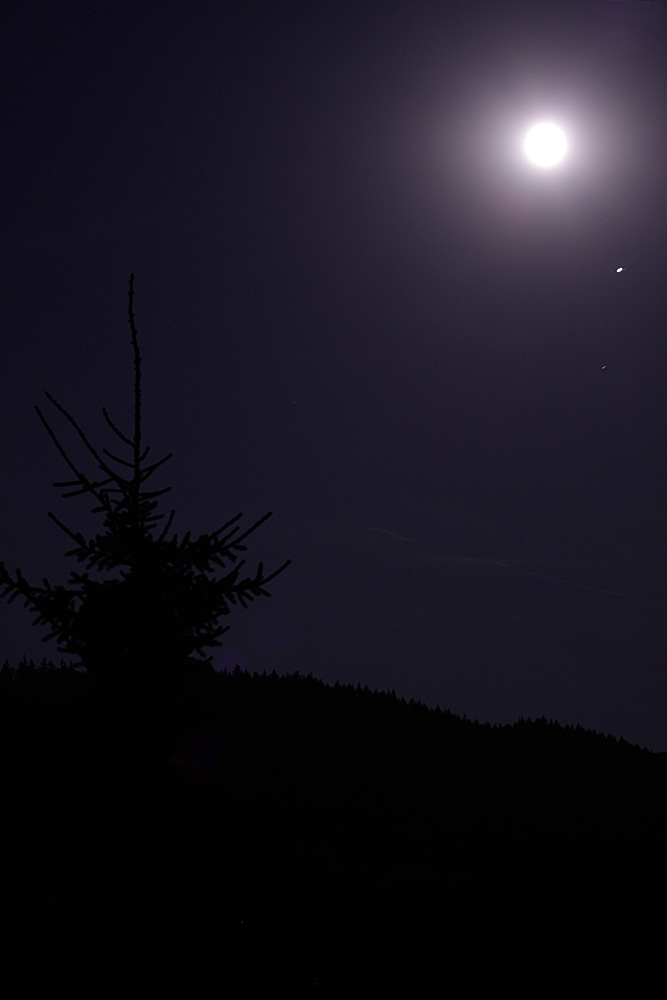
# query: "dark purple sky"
360 307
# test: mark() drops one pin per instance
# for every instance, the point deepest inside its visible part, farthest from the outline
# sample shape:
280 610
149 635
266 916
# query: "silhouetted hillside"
247 828
262 734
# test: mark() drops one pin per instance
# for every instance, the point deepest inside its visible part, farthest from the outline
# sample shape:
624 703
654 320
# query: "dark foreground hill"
274 837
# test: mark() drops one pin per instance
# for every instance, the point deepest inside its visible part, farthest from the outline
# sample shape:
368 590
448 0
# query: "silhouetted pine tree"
158 610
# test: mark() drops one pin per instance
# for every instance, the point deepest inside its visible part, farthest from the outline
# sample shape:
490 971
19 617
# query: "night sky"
362 308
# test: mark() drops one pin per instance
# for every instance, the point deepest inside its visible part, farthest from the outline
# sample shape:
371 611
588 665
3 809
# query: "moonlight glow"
545 145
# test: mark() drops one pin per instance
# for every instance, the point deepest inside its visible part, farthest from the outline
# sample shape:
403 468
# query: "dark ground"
299 841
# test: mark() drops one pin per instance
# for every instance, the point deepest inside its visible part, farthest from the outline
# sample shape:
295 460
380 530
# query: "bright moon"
545 145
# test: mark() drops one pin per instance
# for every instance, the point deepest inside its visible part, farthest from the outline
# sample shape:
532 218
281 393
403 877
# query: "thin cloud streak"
513 566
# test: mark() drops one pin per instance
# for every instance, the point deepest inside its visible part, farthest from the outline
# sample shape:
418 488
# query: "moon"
545 145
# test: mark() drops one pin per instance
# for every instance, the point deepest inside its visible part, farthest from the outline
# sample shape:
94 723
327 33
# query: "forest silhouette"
174 831
305 840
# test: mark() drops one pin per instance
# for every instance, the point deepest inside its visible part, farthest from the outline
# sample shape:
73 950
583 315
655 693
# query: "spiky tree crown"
160 612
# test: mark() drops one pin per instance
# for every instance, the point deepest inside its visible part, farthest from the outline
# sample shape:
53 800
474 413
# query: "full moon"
545 145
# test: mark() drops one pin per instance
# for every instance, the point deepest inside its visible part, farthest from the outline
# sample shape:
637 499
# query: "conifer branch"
68 416
121 461
124 439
